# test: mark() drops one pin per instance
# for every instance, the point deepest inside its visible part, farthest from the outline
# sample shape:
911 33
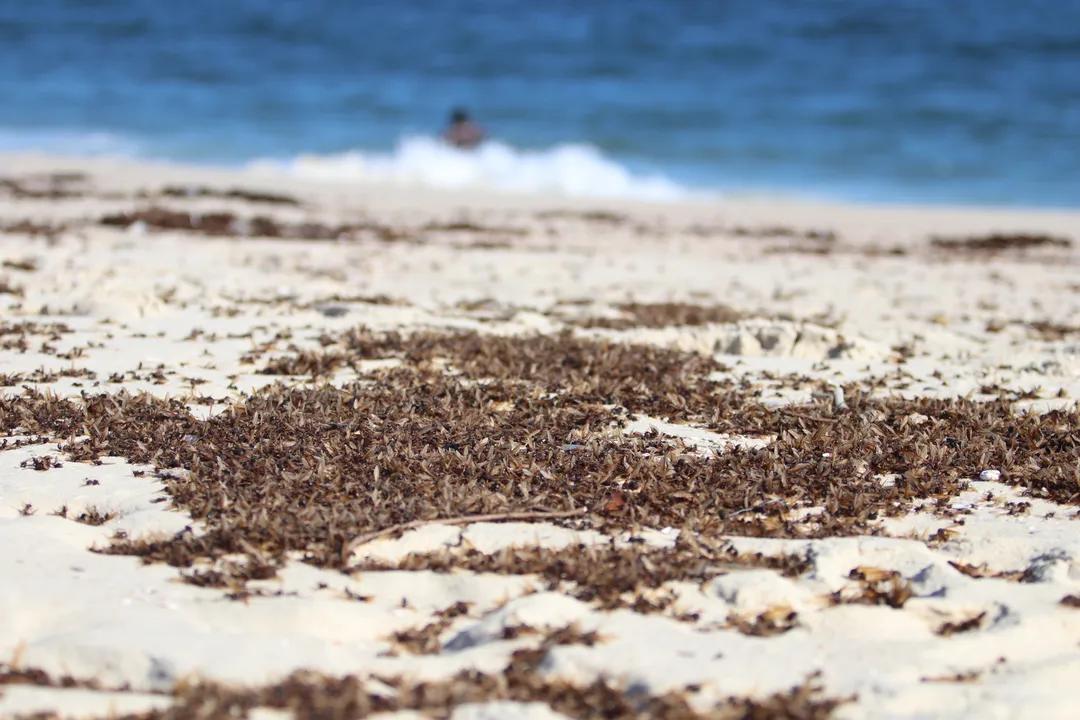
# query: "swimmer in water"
463 132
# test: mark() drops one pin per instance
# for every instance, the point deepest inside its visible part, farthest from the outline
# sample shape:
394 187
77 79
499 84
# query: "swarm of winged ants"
461 426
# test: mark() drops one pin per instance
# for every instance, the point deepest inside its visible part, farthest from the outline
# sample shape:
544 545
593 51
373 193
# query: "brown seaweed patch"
1000 242
426 640
48 186
532 425
9 288
876 587
17 336
252 196
44 377
763 232
603 217
227 224
981 571
783 231
487 245
820 250
93 516
667 314
472 228
24 265
306 363
380 299
774 621
1049 331
41 463
309 694
50 231
950 628
609 576
11 675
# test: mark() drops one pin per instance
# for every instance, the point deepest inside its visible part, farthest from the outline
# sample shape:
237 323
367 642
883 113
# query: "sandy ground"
859 297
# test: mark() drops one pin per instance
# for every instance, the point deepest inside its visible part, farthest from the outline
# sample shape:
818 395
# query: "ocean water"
938 101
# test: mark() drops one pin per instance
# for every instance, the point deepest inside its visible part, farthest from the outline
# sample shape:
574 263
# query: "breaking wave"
568 169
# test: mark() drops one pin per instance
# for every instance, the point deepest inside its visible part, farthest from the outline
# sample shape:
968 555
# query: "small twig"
463 520
759 507
811 418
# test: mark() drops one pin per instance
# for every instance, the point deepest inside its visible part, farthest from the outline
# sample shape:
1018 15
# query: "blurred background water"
867 100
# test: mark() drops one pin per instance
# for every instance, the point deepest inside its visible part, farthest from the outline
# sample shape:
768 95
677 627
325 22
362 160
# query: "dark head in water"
462 132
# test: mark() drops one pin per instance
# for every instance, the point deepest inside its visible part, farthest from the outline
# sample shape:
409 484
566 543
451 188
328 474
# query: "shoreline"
318 427
29 162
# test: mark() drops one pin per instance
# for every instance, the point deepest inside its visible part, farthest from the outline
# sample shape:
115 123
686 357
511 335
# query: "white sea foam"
569 169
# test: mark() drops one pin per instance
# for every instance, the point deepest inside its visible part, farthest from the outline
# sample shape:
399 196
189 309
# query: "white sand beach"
919 583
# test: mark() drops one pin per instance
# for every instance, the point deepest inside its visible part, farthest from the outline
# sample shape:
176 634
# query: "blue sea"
939 101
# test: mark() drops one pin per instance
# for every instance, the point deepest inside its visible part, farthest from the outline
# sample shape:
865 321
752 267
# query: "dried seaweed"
611 576
947 629
8 288
593 216
774 621
32 228
469 227
50 186
1000 242
661 315
530 425
252 196
876 587
93 516
227 224
24 265
309 694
